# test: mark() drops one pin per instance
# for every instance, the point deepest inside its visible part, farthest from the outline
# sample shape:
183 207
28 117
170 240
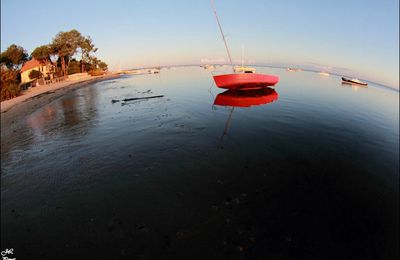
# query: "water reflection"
315 172
70 111
37 122
65 115
354 87
244 99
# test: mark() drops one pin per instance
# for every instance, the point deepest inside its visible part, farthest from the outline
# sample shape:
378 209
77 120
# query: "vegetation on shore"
63 52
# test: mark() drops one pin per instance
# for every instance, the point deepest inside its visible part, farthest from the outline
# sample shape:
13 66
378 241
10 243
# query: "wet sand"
34 98
37 92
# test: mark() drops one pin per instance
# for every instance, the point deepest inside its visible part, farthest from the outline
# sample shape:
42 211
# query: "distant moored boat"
322 73
244 69
354 81
293 69
207 66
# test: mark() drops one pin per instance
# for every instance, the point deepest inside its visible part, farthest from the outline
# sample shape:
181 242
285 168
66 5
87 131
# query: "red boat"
240 80
253 97
245 80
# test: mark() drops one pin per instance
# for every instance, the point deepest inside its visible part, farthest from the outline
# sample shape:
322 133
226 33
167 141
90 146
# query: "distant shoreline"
268 66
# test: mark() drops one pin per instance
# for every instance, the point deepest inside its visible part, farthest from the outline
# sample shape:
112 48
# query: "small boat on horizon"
153 71
354 81
293 69
208 66
323 73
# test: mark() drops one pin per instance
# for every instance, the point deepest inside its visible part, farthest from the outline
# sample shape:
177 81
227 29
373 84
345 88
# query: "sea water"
312 174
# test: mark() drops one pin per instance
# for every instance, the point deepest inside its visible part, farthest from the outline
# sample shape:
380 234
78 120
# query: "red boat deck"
245 80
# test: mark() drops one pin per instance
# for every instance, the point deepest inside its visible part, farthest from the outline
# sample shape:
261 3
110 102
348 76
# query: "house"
47 69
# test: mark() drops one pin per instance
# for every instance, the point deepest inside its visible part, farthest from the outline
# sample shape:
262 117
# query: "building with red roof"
47 69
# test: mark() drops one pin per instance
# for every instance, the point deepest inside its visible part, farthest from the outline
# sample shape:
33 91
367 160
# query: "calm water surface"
311 174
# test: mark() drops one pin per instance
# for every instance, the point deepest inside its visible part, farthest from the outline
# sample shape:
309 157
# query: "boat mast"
242 55
222 33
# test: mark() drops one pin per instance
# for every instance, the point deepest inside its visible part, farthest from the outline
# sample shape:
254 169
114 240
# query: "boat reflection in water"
243 99
246 98
353 87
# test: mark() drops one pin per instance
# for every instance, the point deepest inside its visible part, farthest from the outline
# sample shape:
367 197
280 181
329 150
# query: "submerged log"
130 99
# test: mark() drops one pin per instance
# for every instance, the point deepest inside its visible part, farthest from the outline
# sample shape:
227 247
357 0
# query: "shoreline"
36 92
13 114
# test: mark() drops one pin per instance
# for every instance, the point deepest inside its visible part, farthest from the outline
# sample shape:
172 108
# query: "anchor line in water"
227 124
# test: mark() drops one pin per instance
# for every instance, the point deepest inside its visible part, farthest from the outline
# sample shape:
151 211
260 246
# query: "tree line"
61 52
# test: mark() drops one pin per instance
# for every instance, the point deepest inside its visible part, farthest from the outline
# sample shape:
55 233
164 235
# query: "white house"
47 69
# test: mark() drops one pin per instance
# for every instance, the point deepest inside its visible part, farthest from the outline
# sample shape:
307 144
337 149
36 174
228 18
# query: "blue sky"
352 37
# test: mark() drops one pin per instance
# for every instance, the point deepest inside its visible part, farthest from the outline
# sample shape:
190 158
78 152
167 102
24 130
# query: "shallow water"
309 174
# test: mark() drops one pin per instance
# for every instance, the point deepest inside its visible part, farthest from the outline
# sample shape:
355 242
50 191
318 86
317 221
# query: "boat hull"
349 81
245 81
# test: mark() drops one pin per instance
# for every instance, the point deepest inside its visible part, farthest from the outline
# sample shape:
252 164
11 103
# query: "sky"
356 38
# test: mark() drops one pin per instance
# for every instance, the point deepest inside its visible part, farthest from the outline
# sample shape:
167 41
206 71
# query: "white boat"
207 66
293 69
153 71
243 69
354 81
322 73
132 72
